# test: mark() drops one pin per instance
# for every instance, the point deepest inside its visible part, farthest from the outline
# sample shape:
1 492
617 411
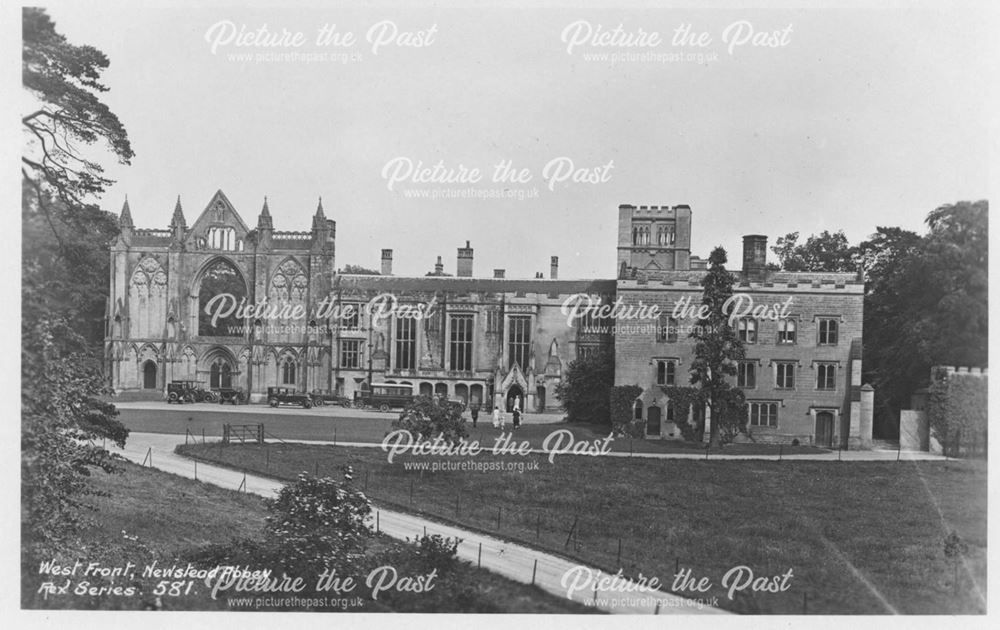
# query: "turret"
178 226
125 224
265 228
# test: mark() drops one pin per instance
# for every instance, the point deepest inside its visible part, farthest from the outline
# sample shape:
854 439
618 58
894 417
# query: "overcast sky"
857 118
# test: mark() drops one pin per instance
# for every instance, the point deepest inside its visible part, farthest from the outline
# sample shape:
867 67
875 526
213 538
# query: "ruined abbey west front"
232 305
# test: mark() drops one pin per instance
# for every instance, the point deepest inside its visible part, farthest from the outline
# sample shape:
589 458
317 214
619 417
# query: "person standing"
475 414
517 417
496 417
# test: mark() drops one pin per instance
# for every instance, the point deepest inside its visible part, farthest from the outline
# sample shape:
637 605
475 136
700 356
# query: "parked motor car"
286 396
327 397
232 395
188 392
384 396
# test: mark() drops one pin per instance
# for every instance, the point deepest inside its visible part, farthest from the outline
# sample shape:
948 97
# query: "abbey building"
232 305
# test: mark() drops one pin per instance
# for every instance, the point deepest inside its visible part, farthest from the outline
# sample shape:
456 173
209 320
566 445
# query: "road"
510 560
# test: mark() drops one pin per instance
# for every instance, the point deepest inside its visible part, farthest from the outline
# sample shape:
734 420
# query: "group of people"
499 418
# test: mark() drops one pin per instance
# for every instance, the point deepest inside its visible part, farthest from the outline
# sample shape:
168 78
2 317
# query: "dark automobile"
285 396
188 391
326 397
384 397
230 395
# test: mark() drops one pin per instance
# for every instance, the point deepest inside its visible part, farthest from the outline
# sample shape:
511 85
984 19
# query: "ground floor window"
350 353
762 414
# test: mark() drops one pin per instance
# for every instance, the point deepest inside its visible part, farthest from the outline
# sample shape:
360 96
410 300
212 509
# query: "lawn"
859 537
151 516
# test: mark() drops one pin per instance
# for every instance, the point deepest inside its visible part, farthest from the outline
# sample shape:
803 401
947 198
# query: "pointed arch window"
220 375
288 371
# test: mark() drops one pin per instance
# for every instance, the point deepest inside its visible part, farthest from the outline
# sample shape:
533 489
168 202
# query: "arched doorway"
653 420
149 375
824 429
462 391
515 395
426 389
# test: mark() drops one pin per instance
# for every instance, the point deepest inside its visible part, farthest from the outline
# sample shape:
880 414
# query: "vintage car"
326 397
232 395
188 391
286 396
384 397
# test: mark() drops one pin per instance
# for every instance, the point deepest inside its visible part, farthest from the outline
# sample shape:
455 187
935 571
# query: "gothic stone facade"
492 340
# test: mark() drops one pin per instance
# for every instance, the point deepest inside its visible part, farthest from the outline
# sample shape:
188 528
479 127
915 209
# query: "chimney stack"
754 256
464 268
554 268
386 262
498 273
439 267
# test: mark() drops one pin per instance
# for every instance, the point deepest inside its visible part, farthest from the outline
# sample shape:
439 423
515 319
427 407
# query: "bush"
316 524
585 390
429 417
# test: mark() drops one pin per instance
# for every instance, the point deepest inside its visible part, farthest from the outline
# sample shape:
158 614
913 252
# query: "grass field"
859 537
151 515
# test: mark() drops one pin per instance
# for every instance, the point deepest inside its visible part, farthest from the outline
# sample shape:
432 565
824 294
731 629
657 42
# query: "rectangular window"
406 343
666 332
826 376
492 320
350 353
827 332
666 373
786 331
519 342
746 330
461 343
350 316
746 374
762 414
785 378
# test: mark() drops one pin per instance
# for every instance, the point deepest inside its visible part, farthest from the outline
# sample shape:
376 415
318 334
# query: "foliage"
65 82
925 302
431 416
318 523
64 284
585 389
822 252
716 353
623 399
359 270
62 419
683 400
957 410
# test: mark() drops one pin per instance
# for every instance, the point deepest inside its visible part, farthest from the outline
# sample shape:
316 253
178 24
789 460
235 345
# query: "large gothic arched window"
216 318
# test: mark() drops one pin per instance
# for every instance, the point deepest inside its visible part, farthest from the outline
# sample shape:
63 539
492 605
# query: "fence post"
378 525
498 516
619 553
534 571
479 560
366 480
203 435
196 470
657 611
243 484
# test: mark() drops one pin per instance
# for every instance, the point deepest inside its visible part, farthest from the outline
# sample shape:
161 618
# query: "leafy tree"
717 351
926 303
585 389
358 269
822 252
623 421
64 285
64 79
431 416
